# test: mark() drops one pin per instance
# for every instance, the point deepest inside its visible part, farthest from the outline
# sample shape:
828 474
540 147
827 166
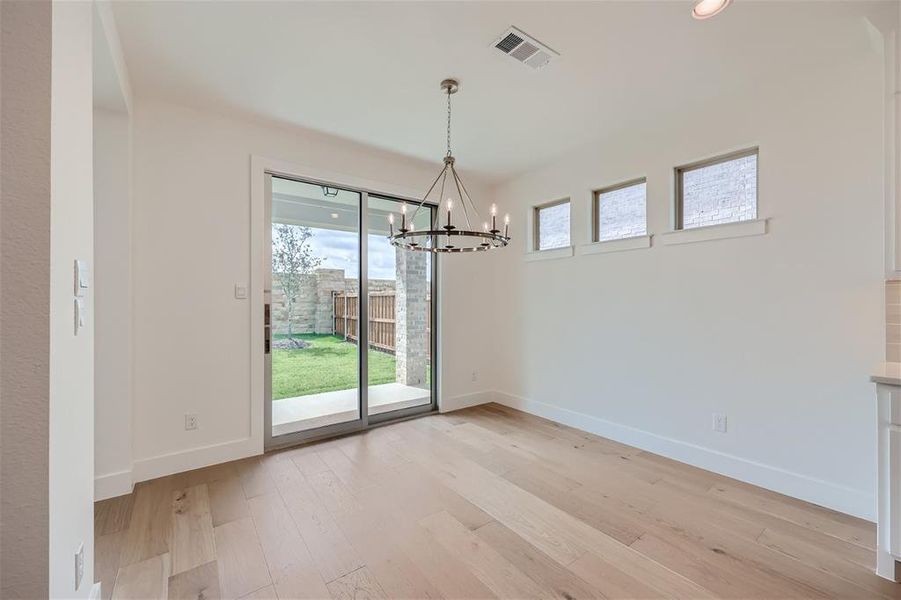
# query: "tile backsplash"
893 321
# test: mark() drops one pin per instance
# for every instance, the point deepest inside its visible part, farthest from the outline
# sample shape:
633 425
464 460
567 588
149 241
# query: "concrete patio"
318 410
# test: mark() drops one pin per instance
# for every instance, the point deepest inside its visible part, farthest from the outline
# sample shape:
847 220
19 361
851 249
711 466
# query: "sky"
339 251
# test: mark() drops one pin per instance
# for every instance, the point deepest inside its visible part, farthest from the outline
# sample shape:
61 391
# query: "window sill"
714 232
564 252
621 245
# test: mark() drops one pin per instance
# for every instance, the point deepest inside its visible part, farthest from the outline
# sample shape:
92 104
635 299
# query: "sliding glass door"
332 293
400 323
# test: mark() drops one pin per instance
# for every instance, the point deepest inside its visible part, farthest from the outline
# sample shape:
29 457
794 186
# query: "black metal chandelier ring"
408 240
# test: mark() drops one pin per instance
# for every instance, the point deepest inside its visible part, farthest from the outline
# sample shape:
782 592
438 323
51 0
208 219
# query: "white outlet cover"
240 291
190 422
720 423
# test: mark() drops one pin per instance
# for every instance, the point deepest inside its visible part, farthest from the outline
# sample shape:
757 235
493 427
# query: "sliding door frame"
364 421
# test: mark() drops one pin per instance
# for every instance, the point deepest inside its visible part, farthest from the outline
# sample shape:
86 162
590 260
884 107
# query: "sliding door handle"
267 333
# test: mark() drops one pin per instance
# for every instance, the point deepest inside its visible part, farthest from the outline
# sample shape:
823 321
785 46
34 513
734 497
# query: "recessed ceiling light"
334 215
704 9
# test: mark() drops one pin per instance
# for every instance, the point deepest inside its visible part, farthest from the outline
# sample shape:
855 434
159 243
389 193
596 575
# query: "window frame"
596 208
679 204
536 224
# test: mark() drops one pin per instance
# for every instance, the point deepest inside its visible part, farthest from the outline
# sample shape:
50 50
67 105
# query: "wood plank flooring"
486 502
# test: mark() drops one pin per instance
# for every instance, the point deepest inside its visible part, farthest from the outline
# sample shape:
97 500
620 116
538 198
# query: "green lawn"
328 364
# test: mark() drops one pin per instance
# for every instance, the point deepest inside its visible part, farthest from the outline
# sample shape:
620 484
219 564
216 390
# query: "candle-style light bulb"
403 217
494 217
391 224
485 226
450 206
506 224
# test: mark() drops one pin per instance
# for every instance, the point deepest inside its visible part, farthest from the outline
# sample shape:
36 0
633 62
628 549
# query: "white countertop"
888 373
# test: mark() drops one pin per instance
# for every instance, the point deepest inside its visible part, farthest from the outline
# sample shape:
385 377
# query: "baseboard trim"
113 484
194 458
465 401
817 491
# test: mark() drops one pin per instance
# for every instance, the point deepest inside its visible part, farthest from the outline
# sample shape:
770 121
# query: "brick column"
411 312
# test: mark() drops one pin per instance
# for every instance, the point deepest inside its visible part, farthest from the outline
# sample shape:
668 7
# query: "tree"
292 258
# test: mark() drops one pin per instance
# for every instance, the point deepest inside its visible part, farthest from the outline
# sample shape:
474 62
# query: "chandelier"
442 235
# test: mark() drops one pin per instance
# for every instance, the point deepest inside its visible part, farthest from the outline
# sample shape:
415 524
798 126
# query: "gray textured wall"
25 48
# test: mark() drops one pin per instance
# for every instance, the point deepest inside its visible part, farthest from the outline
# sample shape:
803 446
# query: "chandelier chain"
448 123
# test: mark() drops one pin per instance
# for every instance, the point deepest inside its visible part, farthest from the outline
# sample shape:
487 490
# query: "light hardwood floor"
482 503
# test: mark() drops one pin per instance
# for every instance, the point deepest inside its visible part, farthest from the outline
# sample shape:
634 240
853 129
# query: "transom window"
620 211
719 190
552 225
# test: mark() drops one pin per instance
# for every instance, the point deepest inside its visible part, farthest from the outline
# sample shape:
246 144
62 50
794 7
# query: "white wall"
191 245
25 48
778 331
113 307
71 356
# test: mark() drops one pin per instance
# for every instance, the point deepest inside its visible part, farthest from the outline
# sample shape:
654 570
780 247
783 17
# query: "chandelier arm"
462 198
463 185
440 196
421 202
468 196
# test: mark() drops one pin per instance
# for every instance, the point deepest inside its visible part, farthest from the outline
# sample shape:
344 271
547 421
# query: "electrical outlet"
475 375
719 423
79 566
190 422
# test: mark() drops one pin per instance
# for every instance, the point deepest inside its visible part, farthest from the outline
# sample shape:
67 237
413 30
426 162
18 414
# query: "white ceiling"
370 71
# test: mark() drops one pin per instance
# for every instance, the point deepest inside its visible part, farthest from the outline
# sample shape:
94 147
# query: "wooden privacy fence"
382 331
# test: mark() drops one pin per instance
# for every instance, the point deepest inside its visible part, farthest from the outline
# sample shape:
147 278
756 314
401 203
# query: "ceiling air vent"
523 48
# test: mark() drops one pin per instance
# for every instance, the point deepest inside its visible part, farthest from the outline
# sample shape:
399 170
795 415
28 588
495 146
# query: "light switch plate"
82 280
79 566
240 291
78 310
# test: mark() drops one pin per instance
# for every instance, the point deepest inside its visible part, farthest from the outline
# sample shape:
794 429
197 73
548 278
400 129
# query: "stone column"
410 313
